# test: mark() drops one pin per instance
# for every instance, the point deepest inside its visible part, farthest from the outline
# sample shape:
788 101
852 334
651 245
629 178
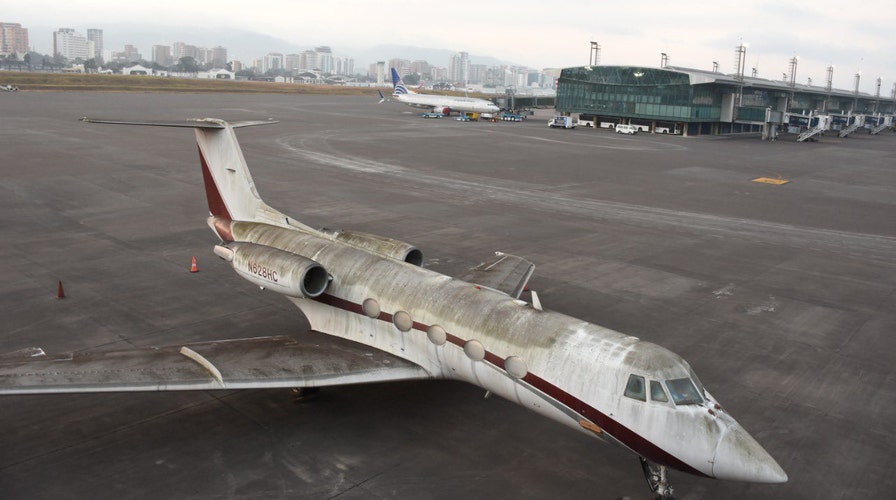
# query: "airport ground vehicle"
622 128
431 115
560 121
586 121
511 117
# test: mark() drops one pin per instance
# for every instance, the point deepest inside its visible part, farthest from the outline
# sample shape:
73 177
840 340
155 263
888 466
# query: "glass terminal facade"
636 92
682 100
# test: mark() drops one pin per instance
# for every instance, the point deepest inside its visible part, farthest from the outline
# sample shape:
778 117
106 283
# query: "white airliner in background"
443 104
397 320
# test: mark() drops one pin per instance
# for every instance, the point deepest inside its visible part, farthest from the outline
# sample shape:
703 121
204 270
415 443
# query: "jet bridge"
881 123
810 127
857 121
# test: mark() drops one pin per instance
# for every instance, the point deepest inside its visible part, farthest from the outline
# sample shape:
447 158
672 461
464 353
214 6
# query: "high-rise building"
96 36
420 67
180 50
130 54
13 39
271 62
161 55
402 66
459 68
292 62
477 73
70 44
219 57
325 61
439 74
310 61
344 66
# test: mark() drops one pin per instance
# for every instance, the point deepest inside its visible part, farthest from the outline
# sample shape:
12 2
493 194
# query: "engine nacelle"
380 245
273 269
446 111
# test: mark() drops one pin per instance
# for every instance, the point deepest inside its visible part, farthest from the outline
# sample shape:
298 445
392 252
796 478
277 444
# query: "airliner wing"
263 362
505 273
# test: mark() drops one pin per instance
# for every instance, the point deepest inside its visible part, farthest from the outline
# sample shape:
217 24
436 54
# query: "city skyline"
527 33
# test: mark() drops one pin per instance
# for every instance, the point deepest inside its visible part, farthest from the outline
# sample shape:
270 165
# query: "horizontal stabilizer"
505 273
311 360
191 123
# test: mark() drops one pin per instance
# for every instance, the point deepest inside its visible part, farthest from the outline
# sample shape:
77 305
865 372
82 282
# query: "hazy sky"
853 36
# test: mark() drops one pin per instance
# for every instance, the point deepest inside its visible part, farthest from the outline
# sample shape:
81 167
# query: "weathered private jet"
443 104
374 291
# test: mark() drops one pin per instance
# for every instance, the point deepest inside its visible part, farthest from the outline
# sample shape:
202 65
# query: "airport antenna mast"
828 87
740 61
594 57
740 64
791 72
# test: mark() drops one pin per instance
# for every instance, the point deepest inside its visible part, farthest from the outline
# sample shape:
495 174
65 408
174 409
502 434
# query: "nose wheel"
657 479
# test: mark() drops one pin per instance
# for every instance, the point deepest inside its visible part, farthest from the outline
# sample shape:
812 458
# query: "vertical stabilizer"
229 186
398 86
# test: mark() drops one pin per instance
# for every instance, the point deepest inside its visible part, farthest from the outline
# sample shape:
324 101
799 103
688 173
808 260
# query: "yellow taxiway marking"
768 180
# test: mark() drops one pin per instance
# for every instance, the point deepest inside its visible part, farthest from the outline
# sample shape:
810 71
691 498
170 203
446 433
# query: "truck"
560 121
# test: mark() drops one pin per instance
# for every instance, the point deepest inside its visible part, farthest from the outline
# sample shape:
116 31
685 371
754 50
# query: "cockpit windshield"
683 392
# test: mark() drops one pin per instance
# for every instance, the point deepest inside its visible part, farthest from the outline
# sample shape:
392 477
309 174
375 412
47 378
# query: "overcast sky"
853 36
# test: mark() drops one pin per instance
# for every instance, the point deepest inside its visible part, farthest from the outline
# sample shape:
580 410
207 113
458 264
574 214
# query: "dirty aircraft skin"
375 292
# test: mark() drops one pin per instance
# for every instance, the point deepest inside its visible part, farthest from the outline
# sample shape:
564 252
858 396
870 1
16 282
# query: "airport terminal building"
695 102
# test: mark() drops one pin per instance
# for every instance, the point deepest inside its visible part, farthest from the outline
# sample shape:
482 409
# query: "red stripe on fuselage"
216 205
628 437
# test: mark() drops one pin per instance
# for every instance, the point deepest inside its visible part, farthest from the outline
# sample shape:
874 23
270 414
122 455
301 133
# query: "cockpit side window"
635 388
683 392
657 393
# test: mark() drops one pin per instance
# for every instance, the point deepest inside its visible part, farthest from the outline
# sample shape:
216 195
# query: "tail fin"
398 85
229 187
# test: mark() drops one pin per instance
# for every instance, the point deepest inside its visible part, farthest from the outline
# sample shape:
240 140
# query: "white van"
626 129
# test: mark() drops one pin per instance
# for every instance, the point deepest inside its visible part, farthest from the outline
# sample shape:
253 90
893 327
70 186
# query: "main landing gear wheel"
656 479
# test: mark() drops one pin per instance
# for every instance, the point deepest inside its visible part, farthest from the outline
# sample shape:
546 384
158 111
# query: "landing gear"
656 479
302 394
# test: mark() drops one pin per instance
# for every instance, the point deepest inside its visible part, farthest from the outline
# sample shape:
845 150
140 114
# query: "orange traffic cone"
193 267
60 293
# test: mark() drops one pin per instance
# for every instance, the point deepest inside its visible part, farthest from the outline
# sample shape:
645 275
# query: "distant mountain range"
244 46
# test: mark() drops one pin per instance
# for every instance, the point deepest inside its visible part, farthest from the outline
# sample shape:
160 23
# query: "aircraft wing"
263 362
505 273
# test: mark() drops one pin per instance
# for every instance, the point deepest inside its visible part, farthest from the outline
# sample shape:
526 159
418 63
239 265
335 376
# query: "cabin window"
683 392
635 388
657 393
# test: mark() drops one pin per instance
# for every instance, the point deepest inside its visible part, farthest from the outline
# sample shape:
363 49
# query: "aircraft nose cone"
739 457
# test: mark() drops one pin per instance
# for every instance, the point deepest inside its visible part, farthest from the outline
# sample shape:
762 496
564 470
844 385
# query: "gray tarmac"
781 297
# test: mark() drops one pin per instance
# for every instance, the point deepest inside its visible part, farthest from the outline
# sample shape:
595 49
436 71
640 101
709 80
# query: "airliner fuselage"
440 103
